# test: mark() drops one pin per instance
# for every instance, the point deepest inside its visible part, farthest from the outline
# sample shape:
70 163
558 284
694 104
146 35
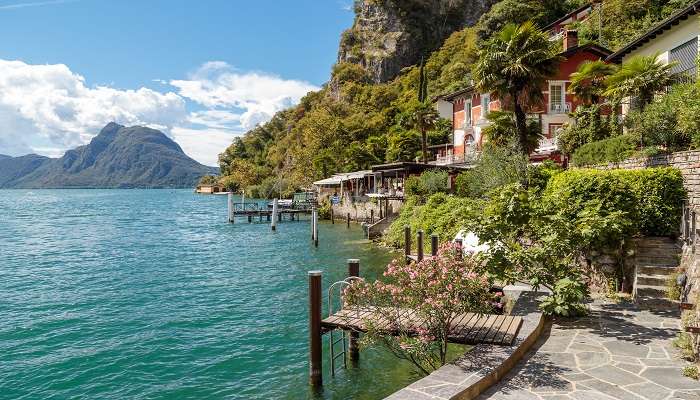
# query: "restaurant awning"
332 181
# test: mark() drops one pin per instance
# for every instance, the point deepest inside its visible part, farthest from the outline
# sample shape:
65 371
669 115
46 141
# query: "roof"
336 179
440 146
657 30
567 16
600 51
453 95
412 166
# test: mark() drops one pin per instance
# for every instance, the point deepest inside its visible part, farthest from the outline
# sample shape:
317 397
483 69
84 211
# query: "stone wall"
360 210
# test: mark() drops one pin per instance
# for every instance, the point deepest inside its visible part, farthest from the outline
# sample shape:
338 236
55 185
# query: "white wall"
444 109
669 40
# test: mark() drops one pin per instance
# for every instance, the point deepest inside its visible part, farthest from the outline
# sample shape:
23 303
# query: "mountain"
118 157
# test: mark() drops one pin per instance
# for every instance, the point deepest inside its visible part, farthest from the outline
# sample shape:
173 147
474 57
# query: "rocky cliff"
389 35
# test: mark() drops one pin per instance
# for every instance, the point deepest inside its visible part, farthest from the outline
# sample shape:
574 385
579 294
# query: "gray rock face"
389 35
118 156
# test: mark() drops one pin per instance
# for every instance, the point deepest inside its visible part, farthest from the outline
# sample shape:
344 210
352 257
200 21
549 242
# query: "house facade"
470 107
674 40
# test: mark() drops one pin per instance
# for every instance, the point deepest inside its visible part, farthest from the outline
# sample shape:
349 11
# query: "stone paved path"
617 352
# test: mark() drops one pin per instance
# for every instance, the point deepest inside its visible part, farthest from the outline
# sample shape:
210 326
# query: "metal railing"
560 108
547 144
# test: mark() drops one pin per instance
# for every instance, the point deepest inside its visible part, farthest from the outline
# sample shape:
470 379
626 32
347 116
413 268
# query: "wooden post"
273 223
348 220
380 209
230 207
315 348
332 216
419 245
458 242
316 227
353 342
371 216
407 240
313 210
250 218
433 245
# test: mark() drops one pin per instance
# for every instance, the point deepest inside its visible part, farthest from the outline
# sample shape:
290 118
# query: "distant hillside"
118 157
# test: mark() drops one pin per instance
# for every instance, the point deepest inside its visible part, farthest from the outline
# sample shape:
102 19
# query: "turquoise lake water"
150 294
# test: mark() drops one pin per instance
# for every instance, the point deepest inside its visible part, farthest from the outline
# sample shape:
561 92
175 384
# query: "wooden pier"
265 211
469 328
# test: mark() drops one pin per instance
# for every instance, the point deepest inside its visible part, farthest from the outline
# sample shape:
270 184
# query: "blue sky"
202 71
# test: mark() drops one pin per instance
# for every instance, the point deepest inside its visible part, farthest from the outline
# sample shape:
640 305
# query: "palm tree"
588 82
502 125
641 77
515 65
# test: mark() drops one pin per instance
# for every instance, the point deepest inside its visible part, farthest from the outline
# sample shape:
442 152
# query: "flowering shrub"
417 307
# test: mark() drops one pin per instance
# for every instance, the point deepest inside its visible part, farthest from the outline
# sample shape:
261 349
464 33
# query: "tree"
515 65
422 115
641 77
434 291
502 130
588 82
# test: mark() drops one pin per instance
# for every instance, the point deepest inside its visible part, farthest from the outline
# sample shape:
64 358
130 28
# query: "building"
210 188
674 40
470 107
557 28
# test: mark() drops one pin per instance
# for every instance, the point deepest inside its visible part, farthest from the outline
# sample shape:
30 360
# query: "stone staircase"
656 260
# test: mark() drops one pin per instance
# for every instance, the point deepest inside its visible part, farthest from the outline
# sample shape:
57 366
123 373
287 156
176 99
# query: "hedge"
442 214
651 199
611 150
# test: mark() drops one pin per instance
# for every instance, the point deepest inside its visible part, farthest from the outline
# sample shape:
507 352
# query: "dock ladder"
338 287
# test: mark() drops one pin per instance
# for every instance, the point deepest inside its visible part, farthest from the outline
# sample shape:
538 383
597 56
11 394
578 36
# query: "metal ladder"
343 337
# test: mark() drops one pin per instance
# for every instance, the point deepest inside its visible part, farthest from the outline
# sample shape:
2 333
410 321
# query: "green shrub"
566 299
647 202
427 184
612 150
442 214
672 121
497 166
691 371
673 291
589 126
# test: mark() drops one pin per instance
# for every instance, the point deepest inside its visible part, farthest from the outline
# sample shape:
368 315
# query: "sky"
202 71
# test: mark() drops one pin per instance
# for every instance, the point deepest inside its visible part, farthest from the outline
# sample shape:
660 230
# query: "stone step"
655 303
656 269
656 259
653 279
658 292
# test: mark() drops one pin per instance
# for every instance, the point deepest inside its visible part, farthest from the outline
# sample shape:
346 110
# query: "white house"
674 39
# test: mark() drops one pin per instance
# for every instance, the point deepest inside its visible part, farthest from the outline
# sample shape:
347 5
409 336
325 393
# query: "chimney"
570 39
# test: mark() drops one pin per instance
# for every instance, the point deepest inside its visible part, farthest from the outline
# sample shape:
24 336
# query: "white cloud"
34 4
204 145
258 96
47 109
50 107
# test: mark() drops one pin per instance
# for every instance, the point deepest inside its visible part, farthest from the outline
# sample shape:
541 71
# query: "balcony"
559 108
547 145
468 158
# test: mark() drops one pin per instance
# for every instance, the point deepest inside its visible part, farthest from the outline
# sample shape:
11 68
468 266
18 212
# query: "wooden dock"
260 210
468 328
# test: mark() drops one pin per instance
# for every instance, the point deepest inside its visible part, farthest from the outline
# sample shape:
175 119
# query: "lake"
151 294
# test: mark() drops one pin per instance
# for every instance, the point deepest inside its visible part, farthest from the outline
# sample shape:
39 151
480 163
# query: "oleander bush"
611 150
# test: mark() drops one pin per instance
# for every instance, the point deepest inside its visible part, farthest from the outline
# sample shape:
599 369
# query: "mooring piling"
332 216
348 220
407 241
316 227
353 341
250 219
433 245
371 216
273 223
315 348
230 207
419 245
458 243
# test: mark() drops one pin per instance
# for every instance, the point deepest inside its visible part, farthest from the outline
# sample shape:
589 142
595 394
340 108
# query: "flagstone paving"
617 352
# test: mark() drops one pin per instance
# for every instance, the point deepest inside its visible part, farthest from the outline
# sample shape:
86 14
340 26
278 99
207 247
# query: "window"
467 113
485 100
685 55
556 98
554 130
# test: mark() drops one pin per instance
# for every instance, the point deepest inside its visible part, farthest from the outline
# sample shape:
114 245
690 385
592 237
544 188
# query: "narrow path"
617 352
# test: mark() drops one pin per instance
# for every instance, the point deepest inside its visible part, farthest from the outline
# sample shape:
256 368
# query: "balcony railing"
547 144
560 108
469 157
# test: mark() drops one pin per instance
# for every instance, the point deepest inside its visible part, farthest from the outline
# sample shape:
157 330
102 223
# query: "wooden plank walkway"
468 328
